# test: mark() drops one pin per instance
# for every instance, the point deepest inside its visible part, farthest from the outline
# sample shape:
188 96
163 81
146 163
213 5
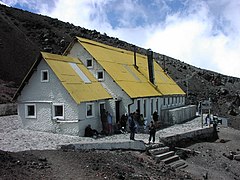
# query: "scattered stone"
222 141
236 157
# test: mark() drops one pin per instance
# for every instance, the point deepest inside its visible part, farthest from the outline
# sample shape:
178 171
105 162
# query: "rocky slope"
23 35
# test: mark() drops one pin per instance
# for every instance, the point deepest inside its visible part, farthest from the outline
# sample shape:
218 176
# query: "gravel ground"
14 138
213 160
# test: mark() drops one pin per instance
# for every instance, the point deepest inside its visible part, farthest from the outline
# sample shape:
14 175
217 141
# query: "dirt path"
214 160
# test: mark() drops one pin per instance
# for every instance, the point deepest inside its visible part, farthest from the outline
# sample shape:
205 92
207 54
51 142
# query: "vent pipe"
135 56
150 65
164 63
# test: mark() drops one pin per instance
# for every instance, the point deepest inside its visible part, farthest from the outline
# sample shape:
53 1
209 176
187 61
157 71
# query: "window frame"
89 67
92 115
53 111
42 75
100 79
27 114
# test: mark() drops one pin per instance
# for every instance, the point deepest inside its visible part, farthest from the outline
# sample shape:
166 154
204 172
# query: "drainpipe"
150 65
129 106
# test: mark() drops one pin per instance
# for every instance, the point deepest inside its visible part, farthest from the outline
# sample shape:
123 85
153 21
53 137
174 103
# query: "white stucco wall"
118 94
94 121
44 94
113 89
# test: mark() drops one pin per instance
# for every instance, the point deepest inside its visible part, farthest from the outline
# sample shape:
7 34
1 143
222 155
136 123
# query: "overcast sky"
203 33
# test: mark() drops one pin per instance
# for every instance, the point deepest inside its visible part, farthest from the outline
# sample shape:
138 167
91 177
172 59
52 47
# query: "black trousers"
152 136
132 134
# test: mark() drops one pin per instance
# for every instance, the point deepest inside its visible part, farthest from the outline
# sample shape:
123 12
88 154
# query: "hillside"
24 34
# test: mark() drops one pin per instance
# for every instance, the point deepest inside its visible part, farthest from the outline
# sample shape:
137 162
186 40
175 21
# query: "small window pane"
89 110
58 110
31 110
89 63
100 75
44 76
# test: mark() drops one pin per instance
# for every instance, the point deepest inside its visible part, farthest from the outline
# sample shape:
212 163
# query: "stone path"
14 138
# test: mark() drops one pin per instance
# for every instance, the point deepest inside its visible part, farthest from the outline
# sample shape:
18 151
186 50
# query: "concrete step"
163 156
154 146
159 150
179 164
182 167
171 159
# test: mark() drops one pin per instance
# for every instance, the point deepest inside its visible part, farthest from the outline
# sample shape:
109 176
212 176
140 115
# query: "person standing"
152 132
155 116
207 120
132 126
109 119
123 122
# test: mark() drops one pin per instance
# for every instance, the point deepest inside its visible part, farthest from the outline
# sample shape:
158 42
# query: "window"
89 63
89 110
80 73
100 75
139 105
30 111
44 76
151 106
145 108
58 111
164 101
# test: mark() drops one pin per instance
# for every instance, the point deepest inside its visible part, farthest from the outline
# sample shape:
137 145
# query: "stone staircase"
162 153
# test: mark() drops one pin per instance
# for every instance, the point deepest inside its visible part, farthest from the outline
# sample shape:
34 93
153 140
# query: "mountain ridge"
23 35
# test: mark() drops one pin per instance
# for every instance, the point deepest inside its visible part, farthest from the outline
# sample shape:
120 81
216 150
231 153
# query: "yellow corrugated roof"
119 64
74 84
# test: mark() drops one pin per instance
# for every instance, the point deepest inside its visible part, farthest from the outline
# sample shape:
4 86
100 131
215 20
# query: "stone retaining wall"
177 115
8 109
127 145
189 137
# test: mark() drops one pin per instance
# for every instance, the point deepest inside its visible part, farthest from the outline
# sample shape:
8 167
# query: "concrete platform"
198 134
169 136
126 145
